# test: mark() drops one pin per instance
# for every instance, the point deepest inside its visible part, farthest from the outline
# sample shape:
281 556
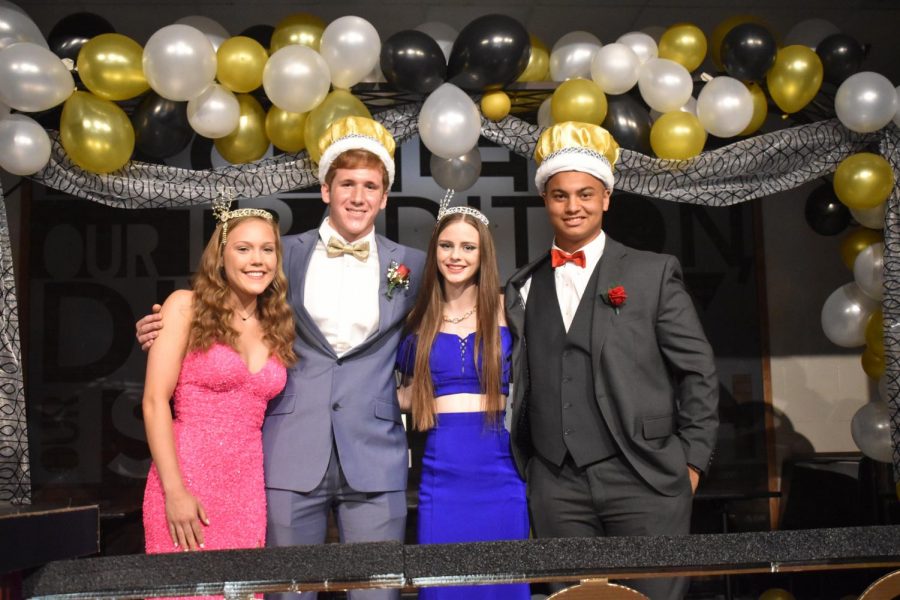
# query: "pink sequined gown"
219 410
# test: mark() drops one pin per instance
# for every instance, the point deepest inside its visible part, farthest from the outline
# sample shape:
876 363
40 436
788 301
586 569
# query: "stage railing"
240 573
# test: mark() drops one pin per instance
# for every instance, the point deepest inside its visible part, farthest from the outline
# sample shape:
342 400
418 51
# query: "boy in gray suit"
334 440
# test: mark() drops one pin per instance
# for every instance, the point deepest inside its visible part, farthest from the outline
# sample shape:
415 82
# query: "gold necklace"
462 317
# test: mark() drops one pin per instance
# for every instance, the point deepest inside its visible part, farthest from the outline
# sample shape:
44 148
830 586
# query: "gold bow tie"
358 250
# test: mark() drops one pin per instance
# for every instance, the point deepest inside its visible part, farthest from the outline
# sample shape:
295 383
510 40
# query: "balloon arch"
309 74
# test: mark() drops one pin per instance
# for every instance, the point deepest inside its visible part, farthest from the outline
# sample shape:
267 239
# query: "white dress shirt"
341 293
571 280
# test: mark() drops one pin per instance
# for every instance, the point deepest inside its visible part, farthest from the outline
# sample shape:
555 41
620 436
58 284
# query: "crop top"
452 362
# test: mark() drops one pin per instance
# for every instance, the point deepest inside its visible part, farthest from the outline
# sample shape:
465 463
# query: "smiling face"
355 197
458 253
575 204
250 257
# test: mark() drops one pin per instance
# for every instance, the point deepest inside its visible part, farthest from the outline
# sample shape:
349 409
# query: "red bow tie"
558 258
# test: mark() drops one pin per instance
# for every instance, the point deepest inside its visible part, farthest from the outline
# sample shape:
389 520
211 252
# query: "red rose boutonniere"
616 297
397 276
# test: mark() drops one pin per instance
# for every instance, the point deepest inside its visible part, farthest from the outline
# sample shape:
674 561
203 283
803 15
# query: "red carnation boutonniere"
397 276
616 297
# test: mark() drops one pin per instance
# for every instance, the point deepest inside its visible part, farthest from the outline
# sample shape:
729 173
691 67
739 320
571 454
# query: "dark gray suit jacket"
352 397
654 376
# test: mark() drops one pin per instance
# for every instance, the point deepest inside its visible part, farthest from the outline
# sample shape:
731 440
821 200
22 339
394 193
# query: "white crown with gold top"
574 146
356 133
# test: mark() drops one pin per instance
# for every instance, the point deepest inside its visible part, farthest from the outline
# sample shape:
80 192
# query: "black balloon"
841 57
489 52
748 51
161 127
260 33
826 214
629 123
413 62
72 32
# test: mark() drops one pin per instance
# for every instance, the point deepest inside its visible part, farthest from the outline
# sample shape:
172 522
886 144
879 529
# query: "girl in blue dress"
455 364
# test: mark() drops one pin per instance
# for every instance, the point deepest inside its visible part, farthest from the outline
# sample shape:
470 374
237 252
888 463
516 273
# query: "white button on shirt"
341 292
571 280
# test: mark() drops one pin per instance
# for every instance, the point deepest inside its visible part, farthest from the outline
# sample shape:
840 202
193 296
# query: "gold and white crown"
574 146
223 214
356 133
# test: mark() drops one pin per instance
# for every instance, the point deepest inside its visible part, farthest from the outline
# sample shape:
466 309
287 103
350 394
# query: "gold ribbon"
358 250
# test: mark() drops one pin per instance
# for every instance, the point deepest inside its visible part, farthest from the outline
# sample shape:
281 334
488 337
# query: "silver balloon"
665 85
845 314
572 55
871 431
296 78
810 32
654 31
866 102
442 33
215 113
376 76
449 122
24 145
351 48
689 107
615 68
897 114
868 271
545 114
213 30
724 107
641 44
873 218
32 78
16 26
458 173
179 62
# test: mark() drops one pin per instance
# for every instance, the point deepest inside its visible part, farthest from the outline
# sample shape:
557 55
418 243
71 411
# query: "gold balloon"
721 30
760 109
875 333
538 63
863 180
96 134
685 44
855 241
776 594
285 129
495 105
578 100
677 135
872 364
248 142
111 66
795 78
337 104
240 64
300 28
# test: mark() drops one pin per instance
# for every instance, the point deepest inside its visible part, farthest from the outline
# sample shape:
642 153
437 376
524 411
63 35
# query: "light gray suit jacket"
654 375
352 398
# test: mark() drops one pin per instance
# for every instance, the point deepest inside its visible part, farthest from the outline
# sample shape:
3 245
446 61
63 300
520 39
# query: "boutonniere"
616 297
397 276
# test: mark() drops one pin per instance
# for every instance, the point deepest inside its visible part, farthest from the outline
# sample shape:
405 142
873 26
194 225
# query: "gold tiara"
221 206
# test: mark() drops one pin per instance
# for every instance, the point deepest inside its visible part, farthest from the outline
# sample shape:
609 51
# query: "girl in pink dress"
222 355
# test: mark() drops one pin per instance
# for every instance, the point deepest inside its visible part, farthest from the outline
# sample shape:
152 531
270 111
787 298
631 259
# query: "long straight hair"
427 315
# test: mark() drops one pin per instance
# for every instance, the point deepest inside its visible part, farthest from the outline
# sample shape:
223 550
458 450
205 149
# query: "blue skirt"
471 492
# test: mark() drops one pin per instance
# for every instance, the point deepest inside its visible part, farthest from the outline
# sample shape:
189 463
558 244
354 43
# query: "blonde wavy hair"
212 307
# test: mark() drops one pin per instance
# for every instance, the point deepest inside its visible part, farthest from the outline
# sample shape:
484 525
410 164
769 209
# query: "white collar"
593 250
326 232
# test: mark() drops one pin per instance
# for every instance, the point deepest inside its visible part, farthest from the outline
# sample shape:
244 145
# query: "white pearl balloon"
442 33
615 68
845 315
866 102
215 113
179 62
296 78
351 48
449 122
868 269
689 107
873 218
24 145
32 78
572 55
16 26
665 85
871 431
545 114
897 113
641 44
212 29
725 107
810 32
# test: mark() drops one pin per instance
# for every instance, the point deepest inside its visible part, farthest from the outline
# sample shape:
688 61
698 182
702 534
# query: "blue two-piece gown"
470 490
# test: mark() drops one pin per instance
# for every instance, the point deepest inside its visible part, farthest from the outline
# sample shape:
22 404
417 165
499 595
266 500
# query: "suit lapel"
609 275
301 255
